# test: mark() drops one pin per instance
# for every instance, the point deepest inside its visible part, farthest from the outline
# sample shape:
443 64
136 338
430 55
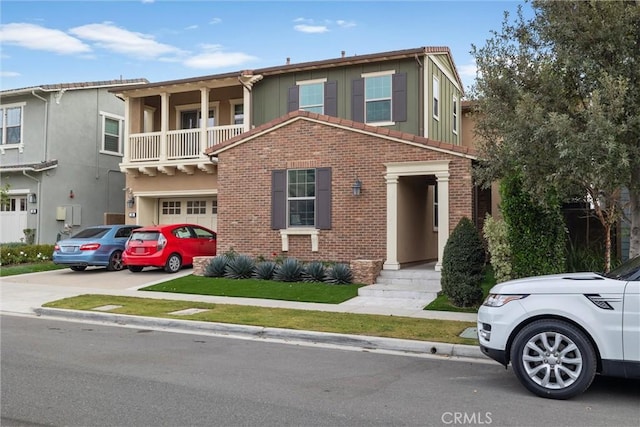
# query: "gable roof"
350 125
34 167
343 60
75 86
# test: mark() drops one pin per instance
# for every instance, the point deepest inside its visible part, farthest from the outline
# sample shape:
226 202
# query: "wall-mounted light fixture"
131 202
32 198
356 187
71 195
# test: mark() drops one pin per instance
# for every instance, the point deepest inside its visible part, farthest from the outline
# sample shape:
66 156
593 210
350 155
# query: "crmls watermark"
466 418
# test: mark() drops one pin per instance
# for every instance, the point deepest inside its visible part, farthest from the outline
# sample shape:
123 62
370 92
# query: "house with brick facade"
356 158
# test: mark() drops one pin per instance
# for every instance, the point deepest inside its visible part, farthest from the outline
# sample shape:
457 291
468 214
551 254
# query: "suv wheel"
553 359
173 264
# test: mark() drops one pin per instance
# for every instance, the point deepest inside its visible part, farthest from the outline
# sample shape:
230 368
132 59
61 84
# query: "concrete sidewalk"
25 295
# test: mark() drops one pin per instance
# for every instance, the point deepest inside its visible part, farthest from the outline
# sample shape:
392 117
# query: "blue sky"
47 42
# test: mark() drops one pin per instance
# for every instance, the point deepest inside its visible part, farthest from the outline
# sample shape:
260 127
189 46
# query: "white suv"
559 330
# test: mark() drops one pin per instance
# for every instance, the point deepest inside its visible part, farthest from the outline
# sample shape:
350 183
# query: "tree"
559 103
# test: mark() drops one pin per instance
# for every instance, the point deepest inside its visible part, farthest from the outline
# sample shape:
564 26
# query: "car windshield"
626 270
90 233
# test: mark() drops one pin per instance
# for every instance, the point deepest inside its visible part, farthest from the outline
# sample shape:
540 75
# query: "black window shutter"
293 103
278 199
331 98
399 100
323 198
357 100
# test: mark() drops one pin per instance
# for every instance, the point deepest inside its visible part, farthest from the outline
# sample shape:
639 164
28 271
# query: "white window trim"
215 106
456 116
232 113
378 74
103 116
20 145
436 97
312 82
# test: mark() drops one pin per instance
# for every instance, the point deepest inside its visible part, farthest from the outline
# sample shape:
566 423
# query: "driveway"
96 278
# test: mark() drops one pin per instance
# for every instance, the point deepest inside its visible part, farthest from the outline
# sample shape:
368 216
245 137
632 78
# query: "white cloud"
311 29
214 57
215 21
119 40
9 74
345 24
191 27
36 37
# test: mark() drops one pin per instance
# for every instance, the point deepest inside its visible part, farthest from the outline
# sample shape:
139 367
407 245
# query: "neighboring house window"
238 114
379 98
11 124
435 207
189 116
316 96
436 98
301 198
454 122
214 206
112 133
14 204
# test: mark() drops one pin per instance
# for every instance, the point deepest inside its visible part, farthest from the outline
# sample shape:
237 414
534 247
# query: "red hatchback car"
168 246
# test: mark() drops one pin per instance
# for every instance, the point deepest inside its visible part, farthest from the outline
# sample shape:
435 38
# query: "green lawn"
441 303
253 288
14 269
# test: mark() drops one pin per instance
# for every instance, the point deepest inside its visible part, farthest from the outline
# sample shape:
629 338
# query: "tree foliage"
559 102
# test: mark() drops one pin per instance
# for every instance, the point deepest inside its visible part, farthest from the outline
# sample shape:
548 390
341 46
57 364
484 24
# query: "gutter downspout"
46 124
39 221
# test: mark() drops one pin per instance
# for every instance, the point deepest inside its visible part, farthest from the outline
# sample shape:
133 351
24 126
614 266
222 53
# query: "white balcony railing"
177 144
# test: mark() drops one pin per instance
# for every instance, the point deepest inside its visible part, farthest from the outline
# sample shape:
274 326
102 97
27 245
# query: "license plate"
139 250
69 249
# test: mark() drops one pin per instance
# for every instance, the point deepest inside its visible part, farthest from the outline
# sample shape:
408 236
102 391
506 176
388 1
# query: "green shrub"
21 253
240 267
289 271
339 274
463 264
264 270
535 230
495 233
217 266
314 272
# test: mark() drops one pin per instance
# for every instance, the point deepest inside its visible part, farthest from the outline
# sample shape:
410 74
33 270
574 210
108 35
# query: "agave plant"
264 270
216 266
240 267
339 274
314 272
289 271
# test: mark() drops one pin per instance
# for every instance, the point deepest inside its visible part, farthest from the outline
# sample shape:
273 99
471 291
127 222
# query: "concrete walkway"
25 294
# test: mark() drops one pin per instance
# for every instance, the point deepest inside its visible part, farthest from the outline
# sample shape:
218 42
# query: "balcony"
174 150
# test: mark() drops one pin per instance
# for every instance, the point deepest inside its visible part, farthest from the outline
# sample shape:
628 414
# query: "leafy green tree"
559 103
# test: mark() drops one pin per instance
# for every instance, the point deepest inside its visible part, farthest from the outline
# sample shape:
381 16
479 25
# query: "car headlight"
498 300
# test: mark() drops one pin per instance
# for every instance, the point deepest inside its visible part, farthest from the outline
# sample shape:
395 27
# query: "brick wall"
358 223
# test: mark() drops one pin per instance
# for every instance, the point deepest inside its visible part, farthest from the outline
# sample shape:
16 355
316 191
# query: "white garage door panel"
12 225
195 210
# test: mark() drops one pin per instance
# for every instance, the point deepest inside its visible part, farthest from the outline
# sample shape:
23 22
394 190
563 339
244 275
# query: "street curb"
363 342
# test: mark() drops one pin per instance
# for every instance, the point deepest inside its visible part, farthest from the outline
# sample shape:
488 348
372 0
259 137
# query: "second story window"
111 134
454 121
11 124
312 97
436 98
238 114
377 99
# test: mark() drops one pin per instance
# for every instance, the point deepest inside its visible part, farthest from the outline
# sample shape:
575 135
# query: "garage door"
13 216
196 210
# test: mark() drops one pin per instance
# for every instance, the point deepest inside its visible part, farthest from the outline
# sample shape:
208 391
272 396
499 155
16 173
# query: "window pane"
312 97
238 114
13 135
13 116
111 143
378 111
378 87
112 127
301 212
302 183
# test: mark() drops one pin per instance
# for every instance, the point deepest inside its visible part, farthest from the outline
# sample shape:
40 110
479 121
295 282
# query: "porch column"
391 263
443 215
246 108
204 121
164 124
127 122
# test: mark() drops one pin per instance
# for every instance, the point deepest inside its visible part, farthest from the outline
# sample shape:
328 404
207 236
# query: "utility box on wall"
61 213
70 214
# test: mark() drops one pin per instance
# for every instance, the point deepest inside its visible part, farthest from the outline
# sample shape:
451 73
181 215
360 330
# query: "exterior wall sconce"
32 198
71 195
131 202
356 187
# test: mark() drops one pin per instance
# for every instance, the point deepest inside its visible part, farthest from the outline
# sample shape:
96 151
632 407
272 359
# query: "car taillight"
56 247
90 247
162 242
